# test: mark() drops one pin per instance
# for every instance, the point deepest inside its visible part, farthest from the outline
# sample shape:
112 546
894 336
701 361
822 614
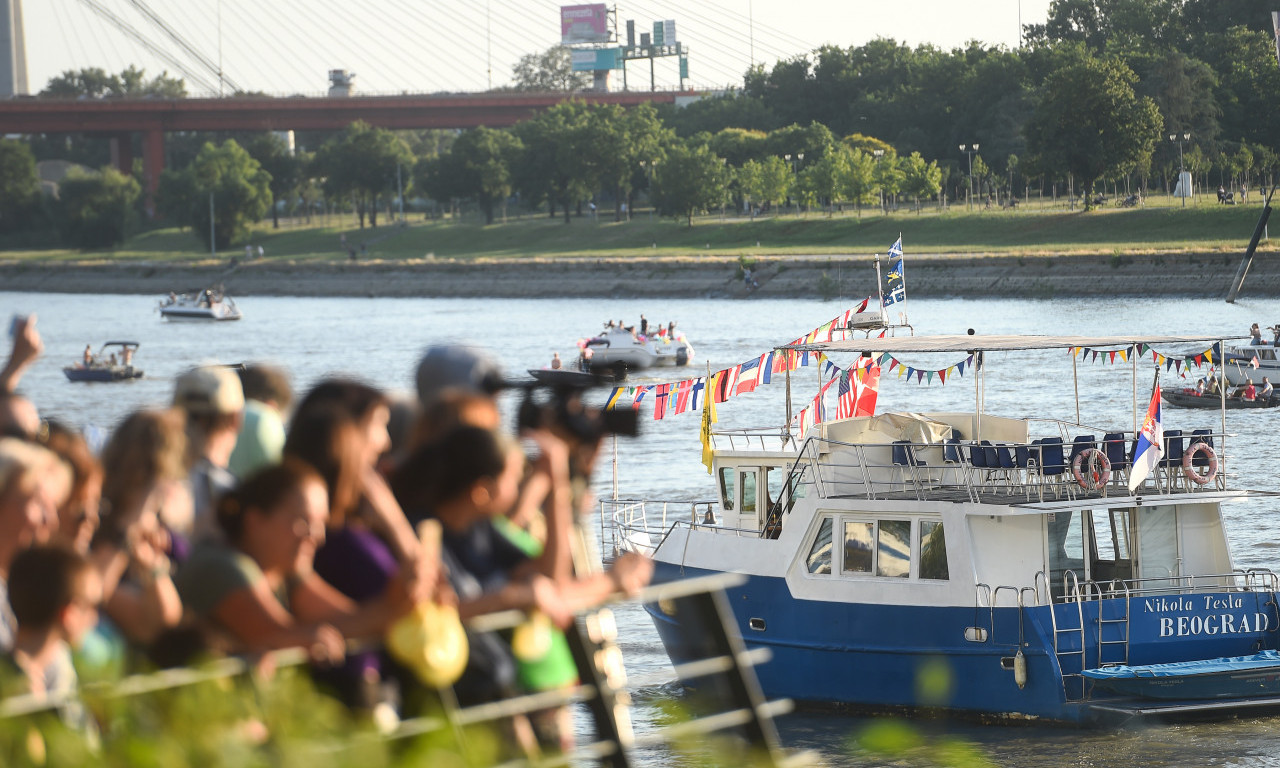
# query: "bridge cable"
129 31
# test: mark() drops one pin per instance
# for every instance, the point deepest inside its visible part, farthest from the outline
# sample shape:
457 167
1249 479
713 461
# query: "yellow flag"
708 418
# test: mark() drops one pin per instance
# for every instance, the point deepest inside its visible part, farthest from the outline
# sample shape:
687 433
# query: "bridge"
119 119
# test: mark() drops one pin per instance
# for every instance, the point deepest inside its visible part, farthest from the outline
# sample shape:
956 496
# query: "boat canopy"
967 343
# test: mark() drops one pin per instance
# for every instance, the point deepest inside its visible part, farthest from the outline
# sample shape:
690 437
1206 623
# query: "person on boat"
88 356
644 325
128 355
1255 335
555 361
1275 329
1202 385
671 330
1212 388
1250 392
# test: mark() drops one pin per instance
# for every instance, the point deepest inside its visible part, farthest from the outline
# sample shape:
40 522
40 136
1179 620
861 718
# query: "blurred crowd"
231 521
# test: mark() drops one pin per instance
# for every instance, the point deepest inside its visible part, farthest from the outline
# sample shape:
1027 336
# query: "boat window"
933 551
858 547
726 488
1110 557
766 489
748 480
819 559
1157 544
893 550
1065 535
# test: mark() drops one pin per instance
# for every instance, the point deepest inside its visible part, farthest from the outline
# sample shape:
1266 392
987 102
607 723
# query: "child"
54 593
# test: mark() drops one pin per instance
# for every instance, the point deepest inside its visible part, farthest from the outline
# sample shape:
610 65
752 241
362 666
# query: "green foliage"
554 166
689 180
548 72
920 179
19 186
97 209
240 188
95 83
1089 120
360 164
478 167
287 170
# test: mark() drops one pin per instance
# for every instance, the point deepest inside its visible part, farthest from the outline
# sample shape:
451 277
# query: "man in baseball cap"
457 385
213 400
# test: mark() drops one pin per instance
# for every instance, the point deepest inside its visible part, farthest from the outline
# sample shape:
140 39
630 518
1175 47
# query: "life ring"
1099 469
1188 464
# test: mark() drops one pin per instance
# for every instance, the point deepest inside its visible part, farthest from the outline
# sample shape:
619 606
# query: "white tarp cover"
888 427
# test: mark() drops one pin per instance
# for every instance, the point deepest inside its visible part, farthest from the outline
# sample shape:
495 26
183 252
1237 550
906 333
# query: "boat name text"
1211 624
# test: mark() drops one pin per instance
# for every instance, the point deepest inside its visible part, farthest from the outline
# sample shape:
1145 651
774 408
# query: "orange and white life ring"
1091 469
1188 464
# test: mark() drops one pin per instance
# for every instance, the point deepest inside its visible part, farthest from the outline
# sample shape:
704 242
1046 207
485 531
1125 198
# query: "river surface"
380 339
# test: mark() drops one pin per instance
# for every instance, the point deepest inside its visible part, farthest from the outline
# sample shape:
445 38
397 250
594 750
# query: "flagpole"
1075 379
1134 363
787 367
884 313
902 316
1222 399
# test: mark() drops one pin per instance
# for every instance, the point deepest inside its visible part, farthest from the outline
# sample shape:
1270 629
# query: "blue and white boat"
970 563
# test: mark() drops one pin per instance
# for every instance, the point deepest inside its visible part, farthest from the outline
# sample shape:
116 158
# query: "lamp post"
794 161
1179 138
969 149
879 153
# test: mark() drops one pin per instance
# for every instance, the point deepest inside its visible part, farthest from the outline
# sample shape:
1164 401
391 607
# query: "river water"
379 340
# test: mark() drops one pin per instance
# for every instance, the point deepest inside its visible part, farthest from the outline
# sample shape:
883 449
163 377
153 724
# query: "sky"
286 47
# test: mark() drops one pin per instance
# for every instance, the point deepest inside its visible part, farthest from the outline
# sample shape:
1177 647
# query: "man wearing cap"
213 400
457 385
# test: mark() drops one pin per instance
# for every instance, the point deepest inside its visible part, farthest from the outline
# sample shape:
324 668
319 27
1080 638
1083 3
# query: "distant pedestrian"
248 253
261 251
364 250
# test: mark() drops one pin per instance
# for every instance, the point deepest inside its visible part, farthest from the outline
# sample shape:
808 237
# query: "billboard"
595 59
584 24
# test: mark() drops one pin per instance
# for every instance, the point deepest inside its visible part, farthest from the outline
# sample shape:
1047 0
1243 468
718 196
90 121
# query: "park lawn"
956 231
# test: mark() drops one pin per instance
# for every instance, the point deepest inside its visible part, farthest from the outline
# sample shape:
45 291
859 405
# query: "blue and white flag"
1150 444
895 289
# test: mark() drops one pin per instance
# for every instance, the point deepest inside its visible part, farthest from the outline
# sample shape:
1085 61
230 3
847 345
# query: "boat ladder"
1113 630
1069 638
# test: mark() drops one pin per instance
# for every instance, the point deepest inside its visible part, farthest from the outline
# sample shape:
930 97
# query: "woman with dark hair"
259 592
77 519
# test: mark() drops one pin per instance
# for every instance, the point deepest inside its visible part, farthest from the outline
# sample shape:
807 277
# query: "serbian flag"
1150 444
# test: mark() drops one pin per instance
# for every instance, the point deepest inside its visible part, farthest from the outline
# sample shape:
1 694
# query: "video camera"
553 400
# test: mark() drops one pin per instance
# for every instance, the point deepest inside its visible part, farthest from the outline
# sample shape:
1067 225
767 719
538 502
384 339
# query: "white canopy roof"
966 343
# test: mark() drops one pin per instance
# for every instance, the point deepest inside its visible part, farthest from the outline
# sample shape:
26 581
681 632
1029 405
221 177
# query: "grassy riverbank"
1028 231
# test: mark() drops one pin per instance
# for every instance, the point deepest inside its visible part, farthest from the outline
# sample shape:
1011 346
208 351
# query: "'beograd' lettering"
1213 624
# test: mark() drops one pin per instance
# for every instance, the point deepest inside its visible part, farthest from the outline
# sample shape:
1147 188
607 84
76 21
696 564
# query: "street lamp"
795 163
1185 136
970 149
879 153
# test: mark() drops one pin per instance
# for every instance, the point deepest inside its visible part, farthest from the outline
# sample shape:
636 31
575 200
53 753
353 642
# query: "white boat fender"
1098 472
1188 464
1020 670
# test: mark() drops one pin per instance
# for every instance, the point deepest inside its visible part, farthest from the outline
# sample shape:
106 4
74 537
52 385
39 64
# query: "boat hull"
115 373
198 313
1183 398
882 657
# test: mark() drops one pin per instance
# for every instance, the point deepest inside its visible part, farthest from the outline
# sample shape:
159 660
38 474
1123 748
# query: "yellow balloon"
432 642
531 639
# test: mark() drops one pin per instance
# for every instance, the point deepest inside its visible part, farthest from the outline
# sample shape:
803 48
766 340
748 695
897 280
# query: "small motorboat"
209 304
1187 397
107 365
1232 677
619 350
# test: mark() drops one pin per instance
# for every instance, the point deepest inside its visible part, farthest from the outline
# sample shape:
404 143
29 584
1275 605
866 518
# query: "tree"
361 163
689 180
1088 120
823 179
95 83
554 166
287 169
97 209
920 179
859 179
888 176
19 185
479 167
549 72
240 188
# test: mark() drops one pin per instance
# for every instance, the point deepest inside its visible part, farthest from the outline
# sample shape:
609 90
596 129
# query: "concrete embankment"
1029 275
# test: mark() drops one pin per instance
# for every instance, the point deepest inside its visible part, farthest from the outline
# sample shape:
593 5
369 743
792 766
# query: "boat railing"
639 525
998 473
753 438
1078 590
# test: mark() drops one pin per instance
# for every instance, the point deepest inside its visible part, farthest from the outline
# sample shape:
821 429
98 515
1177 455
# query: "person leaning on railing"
259 592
